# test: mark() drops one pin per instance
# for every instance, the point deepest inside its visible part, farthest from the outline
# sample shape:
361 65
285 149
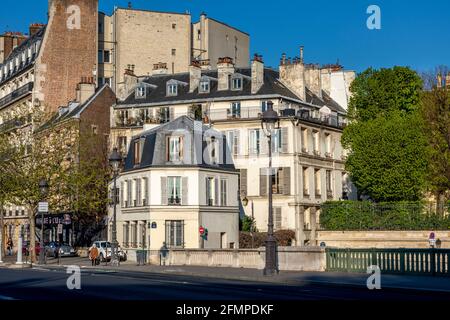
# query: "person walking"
10 247
93 255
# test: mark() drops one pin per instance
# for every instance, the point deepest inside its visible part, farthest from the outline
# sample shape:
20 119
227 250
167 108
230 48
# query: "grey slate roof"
18 50
272 86
155 144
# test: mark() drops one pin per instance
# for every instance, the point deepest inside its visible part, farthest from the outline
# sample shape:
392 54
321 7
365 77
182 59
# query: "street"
42 284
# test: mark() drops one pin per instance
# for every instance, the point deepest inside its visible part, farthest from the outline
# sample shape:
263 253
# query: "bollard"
19 251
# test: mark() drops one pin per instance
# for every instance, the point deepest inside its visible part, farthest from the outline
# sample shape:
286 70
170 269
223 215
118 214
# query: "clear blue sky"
414 33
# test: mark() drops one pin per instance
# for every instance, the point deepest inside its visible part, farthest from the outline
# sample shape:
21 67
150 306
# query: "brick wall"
68 52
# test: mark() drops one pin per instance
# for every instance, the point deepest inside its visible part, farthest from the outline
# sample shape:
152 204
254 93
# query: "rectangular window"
145 201
122 144
277 181
329 184
328 145
134 229
316 143
174 52
317 182
126 235
223 192
175 147
235 110
138 148
236 83
254 141
106 56
172 89
174 190
264 105
277 141
140 92
138 192
164 114
175 234
304 140
204 86
214 150
129 193
210 191
305 182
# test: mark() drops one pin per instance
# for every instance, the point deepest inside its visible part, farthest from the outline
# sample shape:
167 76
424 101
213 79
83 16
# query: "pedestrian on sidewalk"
93 255
10 247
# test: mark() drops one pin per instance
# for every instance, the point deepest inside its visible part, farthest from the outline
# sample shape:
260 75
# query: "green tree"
248 224
388 150
378 92
436 114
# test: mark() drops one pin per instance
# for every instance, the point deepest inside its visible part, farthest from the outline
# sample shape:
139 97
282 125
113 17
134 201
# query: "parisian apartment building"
175 181
311 101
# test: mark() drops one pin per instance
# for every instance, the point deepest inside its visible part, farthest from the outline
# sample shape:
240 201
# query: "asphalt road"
32 285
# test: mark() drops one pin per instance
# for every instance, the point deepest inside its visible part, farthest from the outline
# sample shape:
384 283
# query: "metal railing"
16 94
434 262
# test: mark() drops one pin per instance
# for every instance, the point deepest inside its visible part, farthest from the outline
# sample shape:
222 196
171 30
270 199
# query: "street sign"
60 228
43 207
201 230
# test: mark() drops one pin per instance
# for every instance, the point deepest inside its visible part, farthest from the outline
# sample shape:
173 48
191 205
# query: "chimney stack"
195 73
225 69
85 89
35 27
257 73
301 54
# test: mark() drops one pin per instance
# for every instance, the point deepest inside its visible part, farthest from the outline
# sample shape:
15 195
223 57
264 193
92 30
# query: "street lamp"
114 160
269 122
43 188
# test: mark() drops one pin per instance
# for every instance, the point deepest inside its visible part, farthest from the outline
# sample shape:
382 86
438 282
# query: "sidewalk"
357 280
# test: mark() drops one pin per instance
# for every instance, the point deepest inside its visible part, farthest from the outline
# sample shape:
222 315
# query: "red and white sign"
201 230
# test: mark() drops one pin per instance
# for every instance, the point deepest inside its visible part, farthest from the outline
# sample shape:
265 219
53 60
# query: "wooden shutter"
236 143
184 191
286 180
216 191
284 140
263 181
121 194
243 182
164 200
277 218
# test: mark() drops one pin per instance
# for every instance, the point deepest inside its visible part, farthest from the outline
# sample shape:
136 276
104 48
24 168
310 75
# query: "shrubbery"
366 215
284 239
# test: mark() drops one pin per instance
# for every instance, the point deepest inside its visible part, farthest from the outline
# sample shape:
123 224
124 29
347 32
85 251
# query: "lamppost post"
268 122
115 159
43 188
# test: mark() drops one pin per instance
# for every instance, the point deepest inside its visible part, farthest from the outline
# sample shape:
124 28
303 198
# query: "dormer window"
205 86
140 92
236 83
172 89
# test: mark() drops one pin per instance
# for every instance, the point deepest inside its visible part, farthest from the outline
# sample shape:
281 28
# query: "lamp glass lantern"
114 160
270 120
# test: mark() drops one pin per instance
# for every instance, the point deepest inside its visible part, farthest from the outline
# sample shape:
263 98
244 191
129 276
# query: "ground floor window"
175 233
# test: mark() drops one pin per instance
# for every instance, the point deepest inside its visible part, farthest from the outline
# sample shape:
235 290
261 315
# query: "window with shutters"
305 177
122 200
223 192
138 192
254 146
164 114
145 201
280 181
277 218
243 182
174 190
126 234
210 192
317 182
329 184
134 229
175 233
138 149
129 193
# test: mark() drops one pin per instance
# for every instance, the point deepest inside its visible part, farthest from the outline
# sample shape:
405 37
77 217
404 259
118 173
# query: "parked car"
26 248
104 249
64 250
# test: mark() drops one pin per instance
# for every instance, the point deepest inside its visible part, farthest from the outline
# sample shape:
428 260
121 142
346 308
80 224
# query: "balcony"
17 94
